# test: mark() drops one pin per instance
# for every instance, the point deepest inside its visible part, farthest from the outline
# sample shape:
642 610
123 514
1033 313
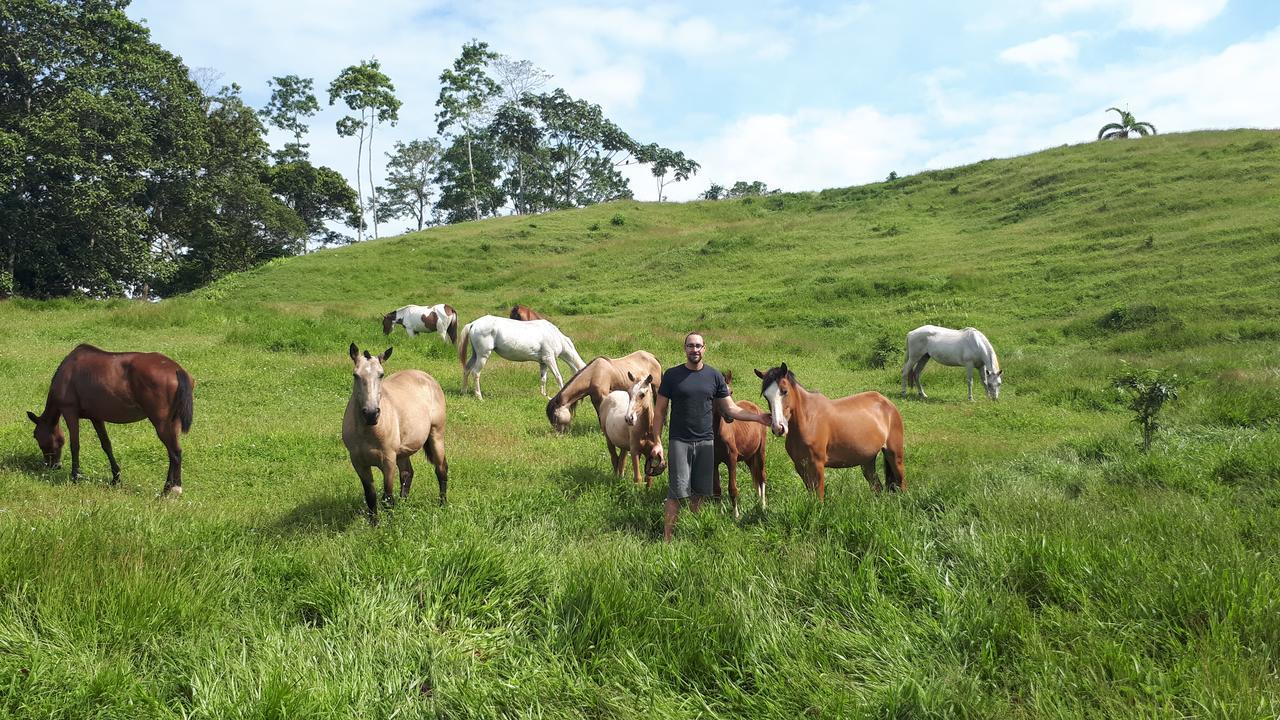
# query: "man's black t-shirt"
691 393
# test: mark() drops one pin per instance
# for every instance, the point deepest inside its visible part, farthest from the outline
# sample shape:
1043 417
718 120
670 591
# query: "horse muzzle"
371 418
779 429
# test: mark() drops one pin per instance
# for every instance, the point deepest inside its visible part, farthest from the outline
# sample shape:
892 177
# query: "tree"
743 188
468 177
666 162
1127 124
513 127
466 94
365 89
411 171
291 102
715 192
99 128
318 195
1148 390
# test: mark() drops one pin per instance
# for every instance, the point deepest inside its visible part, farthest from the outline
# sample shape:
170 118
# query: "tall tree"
465 102
513 125
468 179
96 122
292 101
667 166
411 171
1128 124
366 90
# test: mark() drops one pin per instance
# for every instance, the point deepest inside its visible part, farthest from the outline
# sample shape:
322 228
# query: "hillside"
1039 565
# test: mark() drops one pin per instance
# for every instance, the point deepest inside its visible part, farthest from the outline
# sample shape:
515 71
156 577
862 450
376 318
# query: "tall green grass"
1039 565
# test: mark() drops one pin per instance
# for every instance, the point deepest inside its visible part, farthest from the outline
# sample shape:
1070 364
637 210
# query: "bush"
882 351
618 220
6 284
1148 390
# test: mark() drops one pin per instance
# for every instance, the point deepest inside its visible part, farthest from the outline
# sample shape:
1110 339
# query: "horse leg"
919 370
555 370
635 465
168 433
756 463
101 428
475 368
542 377
969 373
869 472
73 437
434 449
907 378
820 471
389 475
895 474
733 483
370 495
406 474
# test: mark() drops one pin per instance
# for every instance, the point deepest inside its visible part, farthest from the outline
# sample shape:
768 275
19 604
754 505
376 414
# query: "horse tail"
895 476
451 317
183 401
463 343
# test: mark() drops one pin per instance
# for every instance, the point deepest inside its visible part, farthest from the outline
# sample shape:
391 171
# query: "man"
690 389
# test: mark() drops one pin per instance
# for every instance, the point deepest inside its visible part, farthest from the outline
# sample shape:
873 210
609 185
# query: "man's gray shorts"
692 469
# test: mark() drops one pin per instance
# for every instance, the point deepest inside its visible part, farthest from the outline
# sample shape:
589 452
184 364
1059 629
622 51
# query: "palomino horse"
967 347
387 421
626 417
533 341
439 318
823 433
600 377
104 387
524 312
739 441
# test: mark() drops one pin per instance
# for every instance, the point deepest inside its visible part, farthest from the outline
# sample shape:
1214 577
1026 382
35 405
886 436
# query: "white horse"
522 341
967 347
414 319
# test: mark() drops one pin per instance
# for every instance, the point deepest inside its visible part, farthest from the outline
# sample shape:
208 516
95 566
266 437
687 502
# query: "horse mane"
985 344
774 374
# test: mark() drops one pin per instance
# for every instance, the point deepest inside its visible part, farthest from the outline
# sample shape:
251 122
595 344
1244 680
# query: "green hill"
1038 565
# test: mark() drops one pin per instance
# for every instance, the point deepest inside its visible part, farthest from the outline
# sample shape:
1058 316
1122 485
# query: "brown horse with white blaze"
600 377
846 432
387 421
108 387
739 442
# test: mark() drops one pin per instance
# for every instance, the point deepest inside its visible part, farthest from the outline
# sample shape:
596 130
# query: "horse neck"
575 388
987 353
802 403
569 353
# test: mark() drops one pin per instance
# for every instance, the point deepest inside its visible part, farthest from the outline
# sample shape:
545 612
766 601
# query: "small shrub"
893 175
485 247
1147 390
1122 318
6 283
594 227
882 351
617 220
955 190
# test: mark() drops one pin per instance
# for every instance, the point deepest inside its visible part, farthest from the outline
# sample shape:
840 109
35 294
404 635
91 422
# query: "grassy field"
1039 564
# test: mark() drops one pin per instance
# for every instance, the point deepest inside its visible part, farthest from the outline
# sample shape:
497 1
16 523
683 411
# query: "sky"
799 95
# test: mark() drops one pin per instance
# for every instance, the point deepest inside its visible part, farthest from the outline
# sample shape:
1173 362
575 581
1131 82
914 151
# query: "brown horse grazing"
823 433
626 418
524 312
387 421
104 387
600 377
739 442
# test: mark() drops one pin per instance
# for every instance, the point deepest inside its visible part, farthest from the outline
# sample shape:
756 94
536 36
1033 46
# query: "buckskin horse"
109 387
967 348
600 377
387 421
841 433
438 318
739 442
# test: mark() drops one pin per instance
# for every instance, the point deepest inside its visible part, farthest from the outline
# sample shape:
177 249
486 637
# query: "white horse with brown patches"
532 341
439 318
968 348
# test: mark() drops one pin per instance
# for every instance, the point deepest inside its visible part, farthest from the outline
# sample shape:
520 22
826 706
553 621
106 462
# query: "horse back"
857 427
120 387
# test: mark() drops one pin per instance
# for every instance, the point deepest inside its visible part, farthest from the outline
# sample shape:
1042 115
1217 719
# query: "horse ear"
728 376
649 380
354 352
784 368
386 354
1000 373
32 417
758 373
631 377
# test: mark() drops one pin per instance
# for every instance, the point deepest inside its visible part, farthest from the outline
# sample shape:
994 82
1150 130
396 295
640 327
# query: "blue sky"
800 95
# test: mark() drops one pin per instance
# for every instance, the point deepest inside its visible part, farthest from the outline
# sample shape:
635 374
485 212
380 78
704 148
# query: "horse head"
992 380
559 415
639 397
715 410
367 385
49 437
388 322
775 385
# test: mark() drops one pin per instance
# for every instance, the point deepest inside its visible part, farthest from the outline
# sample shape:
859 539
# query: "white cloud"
810 149
1054 53
1175 16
